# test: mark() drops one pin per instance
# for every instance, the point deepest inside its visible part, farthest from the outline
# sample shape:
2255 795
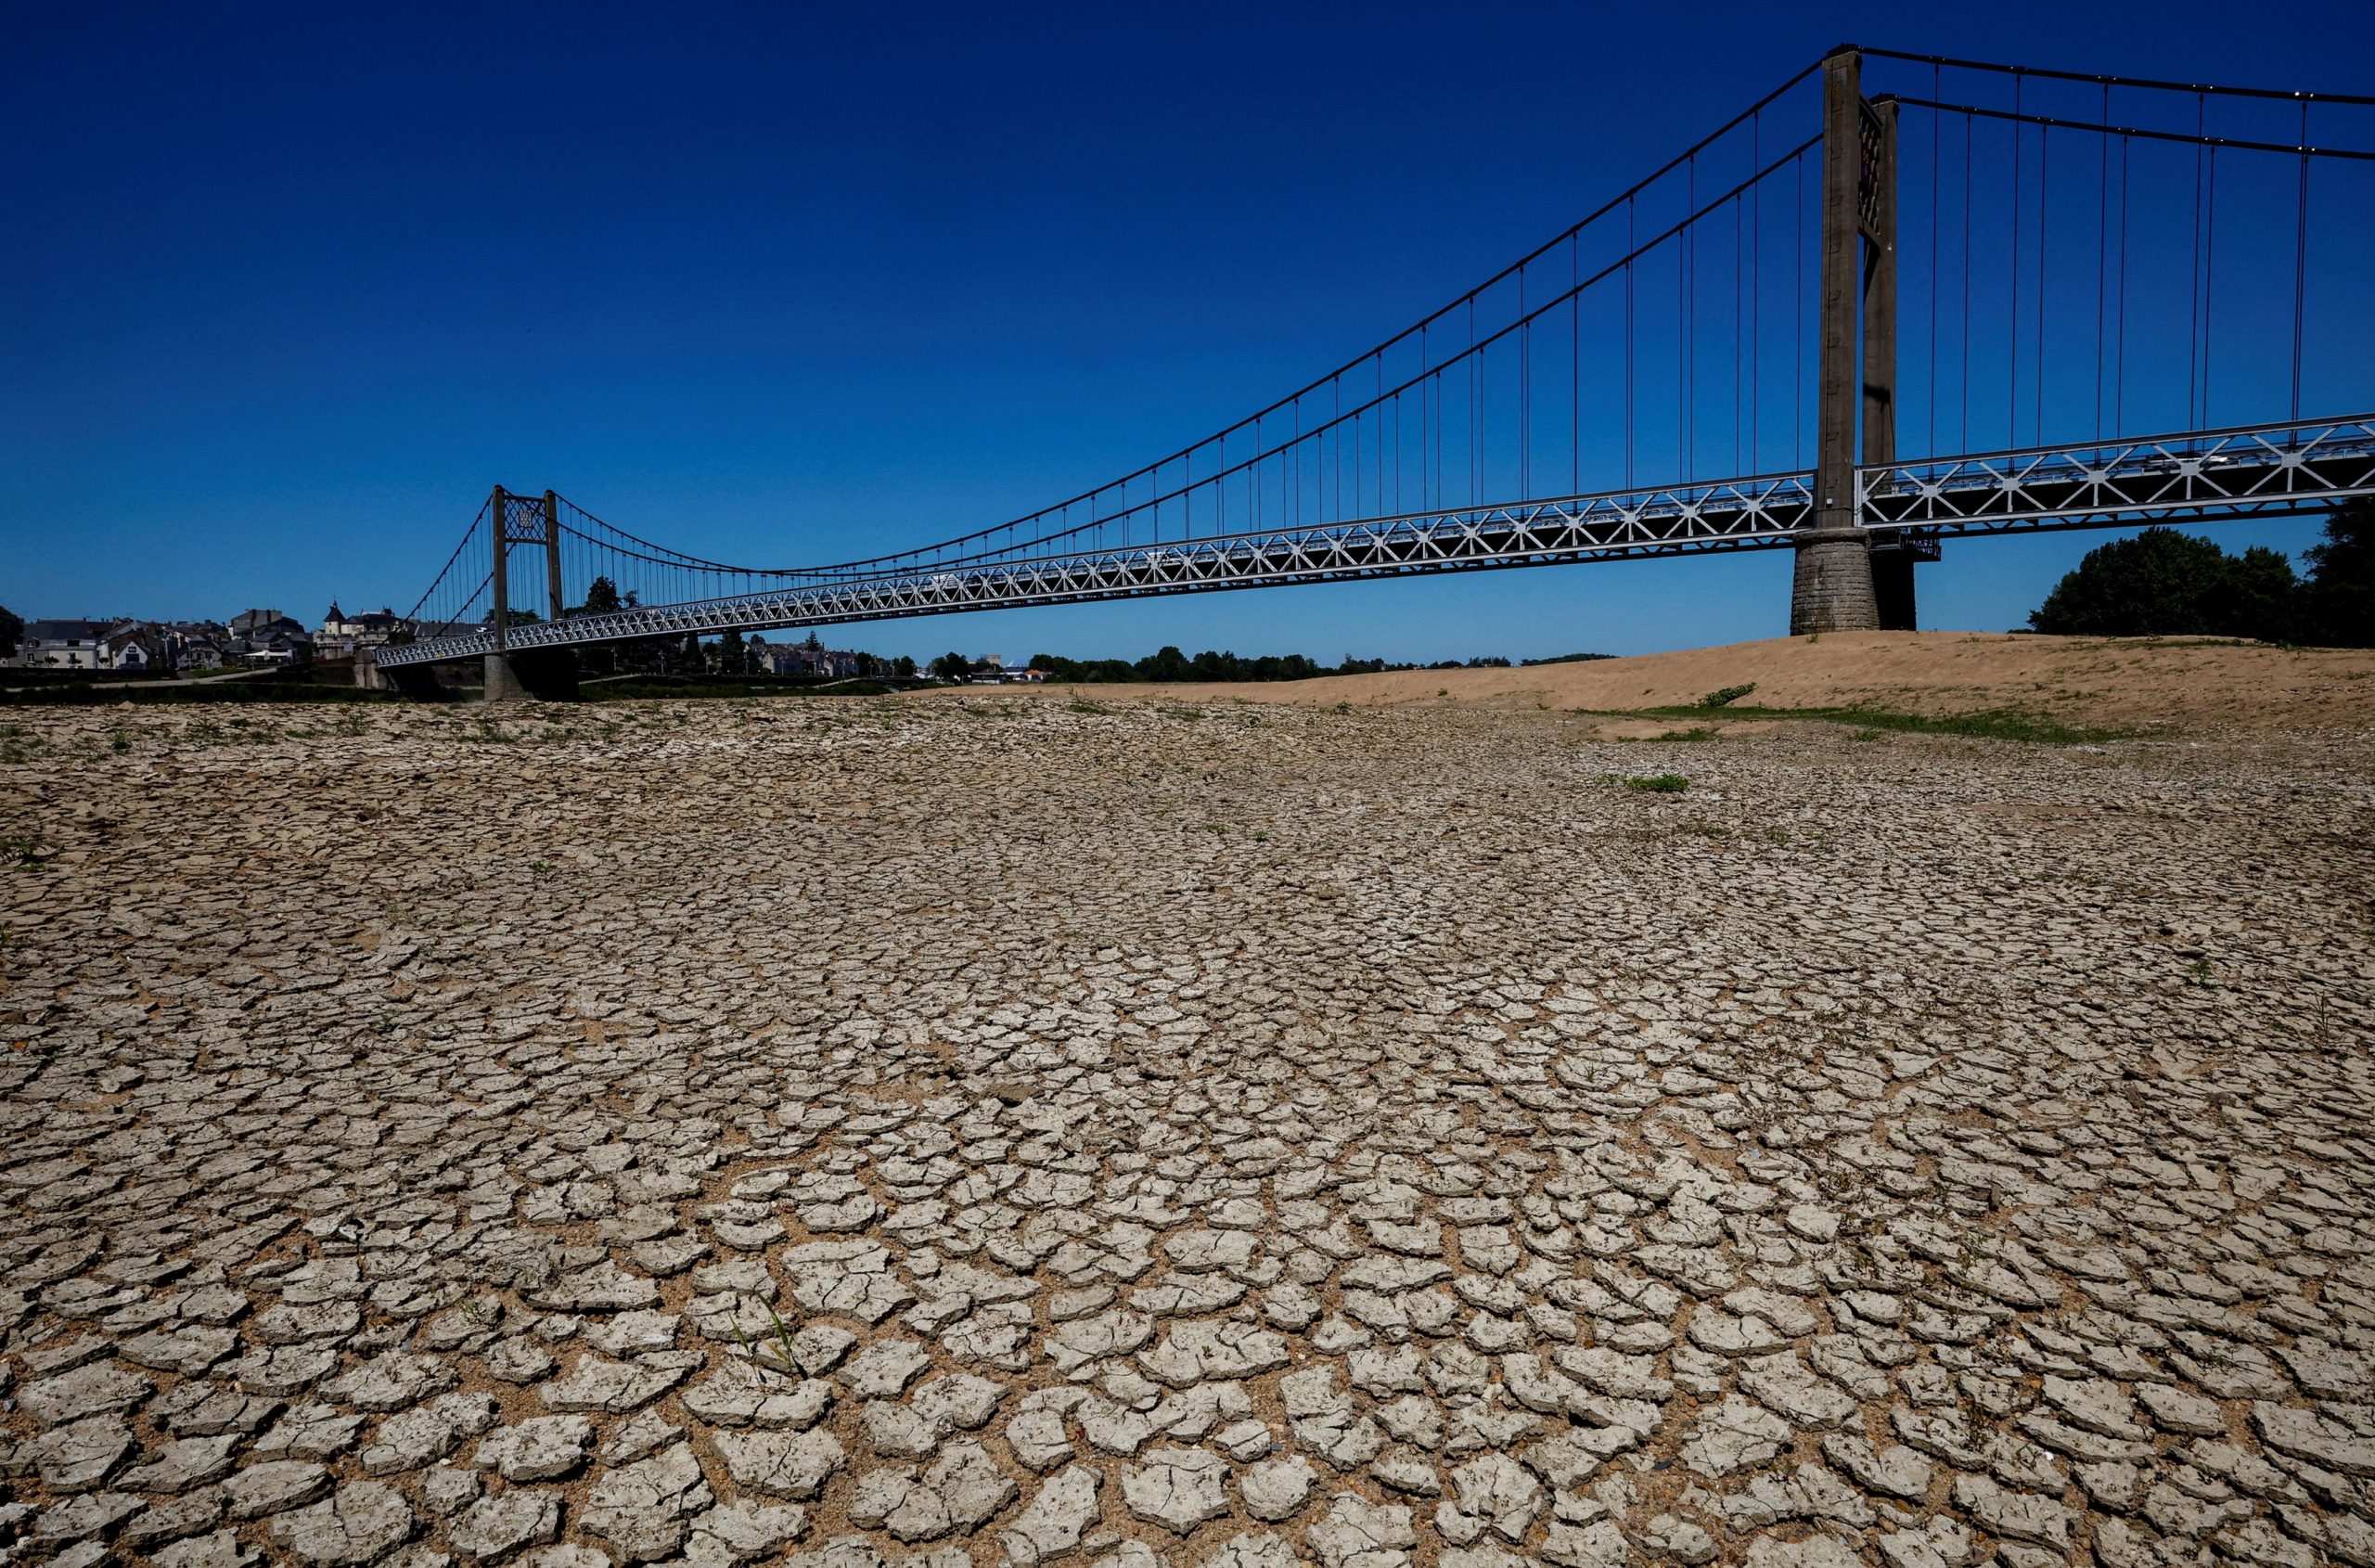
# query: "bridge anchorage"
2058 279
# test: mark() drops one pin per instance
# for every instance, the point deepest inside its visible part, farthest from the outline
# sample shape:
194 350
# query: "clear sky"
285 288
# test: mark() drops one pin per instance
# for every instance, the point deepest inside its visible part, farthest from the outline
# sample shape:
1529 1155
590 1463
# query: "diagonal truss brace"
2269 470
2251 472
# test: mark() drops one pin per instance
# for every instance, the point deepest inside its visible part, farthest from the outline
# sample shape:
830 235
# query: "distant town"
264 638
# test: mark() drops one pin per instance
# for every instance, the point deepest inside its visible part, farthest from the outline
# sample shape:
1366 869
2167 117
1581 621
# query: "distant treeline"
1170 664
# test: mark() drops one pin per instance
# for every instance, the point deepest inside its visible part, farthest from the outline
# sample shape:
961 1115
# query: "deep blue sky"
285 288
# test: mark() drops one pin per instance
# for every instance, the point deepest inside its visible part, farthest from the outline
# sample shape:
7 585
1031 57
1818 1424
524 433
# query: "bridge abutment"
417 682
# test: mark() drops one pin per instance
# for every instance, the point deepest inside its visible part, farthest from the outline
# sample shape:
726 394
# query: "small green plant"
786 1359
1660 784
1083 705
21 850
1726 696
743 1339
1988 724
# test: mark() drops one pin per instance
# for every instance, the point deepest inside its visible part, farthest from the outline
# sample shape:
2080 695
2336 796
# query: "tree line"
1170 664
2165 583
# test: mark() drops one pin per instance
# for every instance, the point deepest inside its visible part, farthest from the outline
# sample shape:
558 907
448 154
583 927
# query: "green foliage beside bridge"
2165 583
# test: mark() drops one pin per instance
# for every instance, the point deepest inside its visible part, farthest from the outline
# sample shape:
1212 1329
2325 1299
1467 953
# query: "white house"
65 645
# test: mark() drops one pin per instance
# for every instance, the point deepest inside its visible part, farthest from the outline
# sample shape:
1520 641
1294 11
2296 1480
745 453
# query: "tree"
903 668
2338 602
2257 597
1165 663
2158 584
732 658
951 667
602 597
12 632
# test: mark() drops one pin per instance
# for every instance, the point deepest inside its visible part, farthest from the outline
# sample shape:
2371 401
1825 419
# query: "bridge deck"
2272 471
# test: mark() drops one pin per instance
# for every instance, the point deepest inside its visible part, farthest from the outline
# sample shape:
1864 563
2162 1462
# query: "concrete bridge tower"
1843 584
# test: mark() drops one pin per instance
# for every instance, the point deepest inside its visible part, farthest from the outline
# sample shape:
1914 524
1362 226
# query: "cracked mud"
1179 1132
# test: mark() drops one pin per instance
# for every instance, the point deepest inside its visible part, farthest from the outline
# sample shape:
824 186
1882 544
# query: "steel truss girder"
2256 472
2259 470
1731 514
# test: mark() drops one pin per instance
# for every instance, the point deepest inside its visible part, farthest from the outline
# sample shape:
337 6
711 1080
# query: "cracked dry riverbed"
1129 1133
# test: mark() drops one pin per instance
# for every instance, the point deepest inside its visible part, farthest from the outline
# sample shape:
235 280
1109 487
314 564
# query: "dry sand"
2188 684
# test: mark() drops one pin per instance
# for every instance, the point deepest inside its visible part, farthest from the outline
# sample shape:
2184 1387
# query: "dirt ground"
2120 683
1149 1129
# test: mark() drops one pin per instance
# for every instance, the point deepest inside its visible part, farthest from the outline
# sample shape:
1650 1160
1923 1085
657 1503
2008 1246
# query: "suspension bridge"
2088 302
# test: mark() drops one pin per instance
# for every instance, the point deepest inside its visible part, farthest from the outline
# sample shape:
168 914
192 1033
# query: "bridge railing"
2256 471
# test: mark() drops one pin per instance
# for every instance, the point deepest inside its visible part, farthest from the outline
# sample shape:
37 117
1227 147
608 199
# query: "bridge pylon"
524 520
1834 590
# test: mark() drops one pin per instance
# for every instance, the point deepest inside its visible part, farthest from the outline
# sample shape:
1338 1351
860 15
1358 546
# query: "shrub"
1660 784
1726 697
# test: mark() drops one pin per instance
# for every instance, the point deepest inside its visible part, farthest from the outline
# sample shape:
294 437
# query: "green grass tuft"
1992 724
